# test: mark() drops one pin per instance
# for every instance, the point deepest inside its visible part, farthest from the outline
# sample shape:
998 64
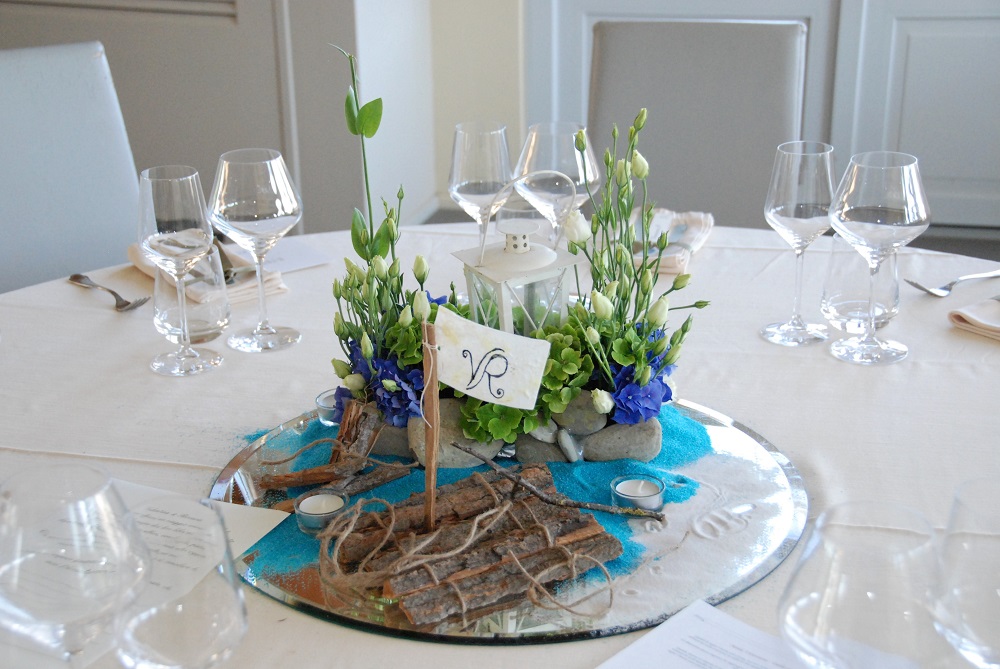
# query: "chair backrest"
721 96
69 192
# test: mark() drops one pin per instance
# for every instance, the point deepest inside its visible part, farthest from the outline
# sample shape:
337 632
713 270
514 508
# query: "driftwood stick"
432 420
558 499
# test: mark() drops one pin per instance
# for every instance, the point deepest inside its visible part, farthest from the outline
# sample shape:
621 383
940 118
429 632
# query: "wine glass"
480 169
175 236
879 206
551 193
70 557
552 147
254 203
967 606
844 303
797 204
858 595
192 614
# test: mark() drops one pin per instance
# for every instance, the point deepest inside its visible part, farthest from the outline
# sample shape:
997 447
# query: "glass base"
178 363
262 341
871 351
794 334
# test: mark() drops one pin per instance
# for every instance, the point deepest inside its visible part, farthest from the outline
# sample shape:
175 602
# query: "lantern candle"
315 509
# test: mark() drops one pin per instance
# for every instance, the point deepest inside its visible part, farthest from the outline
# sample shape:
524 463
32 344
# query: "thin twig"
560 500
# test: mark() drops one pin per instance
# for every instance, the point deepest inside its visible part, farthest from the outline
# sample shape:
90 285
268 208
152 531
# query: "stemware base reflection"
185 363
263 340
794 334
868 351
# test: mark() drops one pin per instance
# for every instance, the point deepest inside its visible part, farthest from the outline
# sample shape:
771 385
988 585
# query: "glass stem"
797 302
184 350
262 325
873 267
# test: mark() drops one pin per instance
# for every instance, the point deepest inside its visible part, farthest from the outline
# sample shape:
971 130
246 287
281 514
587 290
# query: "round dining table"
75 386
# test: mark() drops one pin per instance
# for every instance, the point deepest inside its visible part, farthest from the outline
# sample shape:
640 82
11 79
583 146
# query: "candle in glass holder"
638 490
316 508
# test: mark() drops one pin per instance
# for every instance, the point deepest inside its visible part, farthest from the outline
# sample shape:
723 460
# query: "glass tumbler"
844 303
208 306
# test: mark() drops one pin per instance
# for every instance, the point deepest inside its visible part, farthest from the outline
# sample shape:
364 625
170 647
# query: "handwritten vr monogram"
491 366
488 364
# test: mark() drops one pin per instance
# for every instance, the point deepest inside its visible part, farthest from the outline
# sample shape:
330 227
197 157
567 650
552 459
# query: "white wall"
394 53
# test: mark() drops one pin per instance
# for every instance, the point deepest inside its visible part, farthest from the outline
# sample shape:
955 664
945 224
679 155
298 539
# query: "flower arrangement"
622 322
378 322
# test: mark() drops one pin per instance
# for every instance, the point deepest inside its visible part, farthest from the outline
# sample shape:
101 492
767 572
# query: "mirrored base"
272 339
193 361
794 334
861 351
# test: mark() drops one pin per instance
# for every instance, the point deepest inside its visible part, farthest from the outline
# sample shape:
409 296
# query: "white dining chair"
69 193
721 96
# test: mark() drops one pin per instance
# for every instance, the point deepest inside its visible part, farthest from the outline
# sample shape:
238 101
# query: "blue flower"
341 394
398 405
635 403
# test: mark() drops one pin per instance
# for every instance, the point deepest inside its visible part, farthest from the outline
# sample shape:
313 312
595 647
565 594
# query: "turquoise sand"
286 550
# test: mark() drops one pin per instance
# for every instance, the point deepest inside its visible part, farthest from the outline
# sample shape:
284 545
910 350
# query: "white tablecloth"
75 385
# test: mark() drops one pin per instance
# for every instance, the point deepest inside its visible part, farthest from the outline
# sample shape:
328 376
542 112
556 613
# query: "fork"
121 304
945 290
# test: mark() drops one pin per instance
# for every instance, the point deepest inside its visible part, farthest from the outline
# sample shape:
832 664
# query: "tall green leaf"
359 235
351 111
369 118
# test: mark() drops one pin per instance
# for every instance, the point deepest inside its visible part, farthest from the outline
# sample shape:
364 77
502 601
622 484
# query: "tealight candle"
326 404
638 490
315 509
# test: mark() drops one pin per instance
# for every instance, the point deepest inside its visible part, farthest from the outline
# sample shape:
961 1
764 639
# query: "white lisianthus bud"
354 382
380 268
621 172
390 385
421 306
342 369
339 327
593 336
367 350
601 305
640 168
406 316
659 312
611 290
603 402
421 269
577 228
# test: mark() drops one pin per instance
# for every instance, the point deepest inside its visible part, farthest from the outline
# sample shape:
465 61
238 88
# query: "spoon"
121 304
945 290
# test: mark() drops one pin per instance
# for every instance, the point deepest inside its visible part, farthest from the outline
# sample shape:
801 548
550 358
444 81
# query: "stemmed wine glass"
254 203
967 605
551 147
858 596
174 235
879 206
70 557
797 204
192 614
480 169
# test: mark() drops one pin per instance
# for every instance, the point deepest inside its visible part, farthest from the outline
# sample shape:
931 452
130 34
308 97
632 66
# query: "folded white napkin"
243 288
686 231
983 318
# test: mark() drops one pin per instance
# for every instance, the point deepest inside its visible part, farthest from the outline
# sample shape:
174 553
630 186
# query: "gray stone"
580 418
568 445
641 441
546 433
449 456
530 449
390 441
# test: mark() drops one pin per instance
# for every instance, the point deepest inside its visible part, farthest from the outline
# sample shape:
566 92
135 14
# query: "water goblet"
70 557
967 602
192 614
254 203
207 304
175 236
879 206
797 204
844 303
858 596
480 169
552 194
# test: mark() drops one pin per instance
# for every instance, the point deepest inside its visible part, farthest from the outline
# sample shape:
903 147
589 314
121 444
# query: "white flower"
640 168
354 382
421 306
659 312
603 402
577 228
600 305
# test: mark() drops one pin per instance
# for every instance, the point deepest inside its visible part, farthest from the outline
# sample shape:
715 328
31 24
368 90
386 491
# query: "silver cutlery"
945 290
121 304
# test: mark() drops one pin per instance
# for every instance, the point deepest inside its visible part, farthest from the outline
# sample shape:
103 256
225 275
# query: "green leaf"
359 230
383 239
369 118
351 112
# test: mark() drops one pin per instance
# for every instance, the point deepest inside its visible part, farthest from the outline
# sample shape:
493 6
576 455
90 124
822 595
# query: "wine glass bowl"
553 194
480 169
879 206
175 236
796 207
70 557
255 203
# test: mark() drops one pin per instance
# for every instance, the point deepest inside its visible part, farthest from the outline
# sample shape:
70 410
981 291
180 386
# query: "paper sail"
491 365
